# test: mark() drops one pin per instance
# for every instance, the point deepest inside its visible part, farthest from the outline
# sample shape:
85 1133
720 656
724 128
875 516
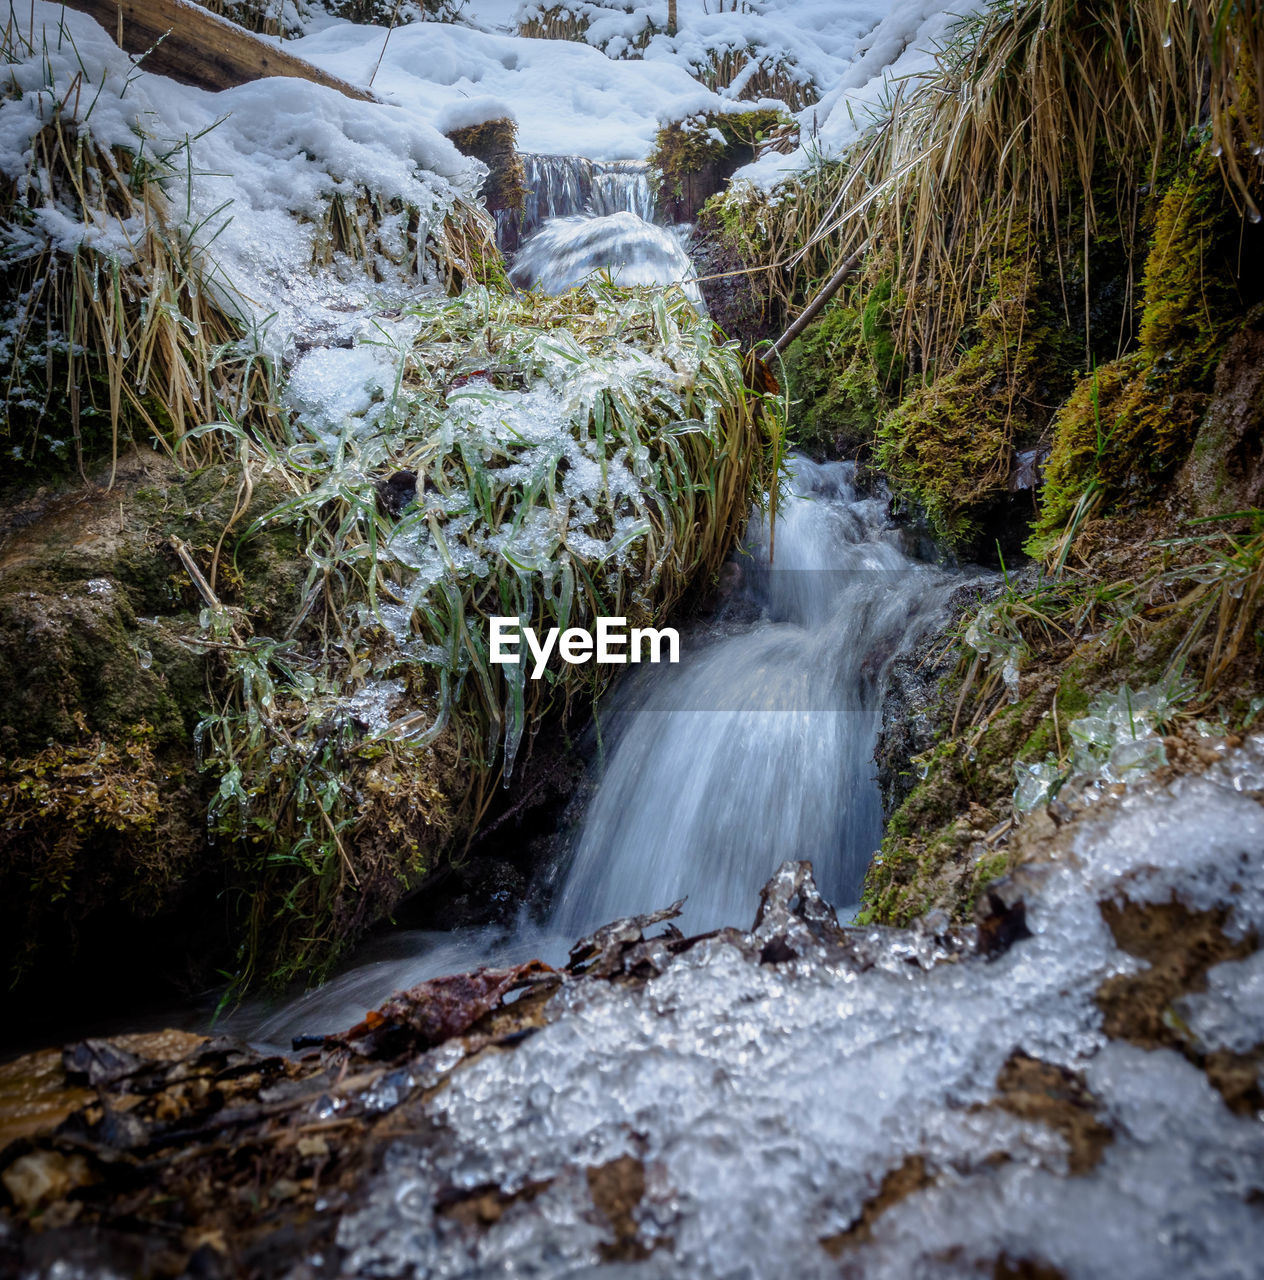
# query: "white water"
760 747
584 216
563 186
566 251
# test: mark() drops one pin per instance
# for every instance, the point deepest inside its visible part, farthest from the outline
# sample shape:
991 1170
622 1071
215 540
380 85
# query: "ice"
567 251
1230 1013
371 704
1118 740
331 385
766 1103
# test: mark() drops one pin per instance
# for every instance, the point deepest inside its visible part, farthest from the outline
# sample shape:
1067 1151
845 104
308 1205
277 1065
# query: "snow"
567 98
606 98
263 161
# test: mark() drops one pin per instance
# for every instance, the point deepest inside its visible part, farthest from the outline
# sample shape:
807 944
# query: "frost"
767 1103
1118 740
1037 784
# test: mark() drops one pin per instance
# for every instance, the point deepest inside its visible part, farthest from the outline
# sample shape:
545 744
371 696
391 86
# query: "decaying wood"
190 44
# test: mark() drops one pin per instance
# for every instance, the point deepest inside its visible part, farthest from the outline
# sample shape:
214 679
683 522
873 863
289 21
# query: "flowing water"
756 748
760 747
583 216
563 186
566 251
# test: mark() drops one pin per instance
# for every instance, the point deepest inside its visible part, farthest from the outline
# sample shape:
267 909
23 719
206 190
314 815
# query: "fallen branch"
190 44
828 290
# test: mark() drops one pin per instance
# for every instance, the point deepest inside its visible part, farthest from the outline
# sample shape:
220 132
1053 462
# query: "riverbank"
1035 1051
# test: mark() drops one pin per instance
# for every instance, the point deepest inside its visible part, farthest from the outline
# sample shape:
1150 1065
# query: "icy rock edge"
772 1103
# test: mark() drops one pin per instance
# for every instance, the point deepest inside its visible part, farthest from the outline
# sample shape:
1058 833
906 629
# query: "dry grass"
135 334
1041 109
130 324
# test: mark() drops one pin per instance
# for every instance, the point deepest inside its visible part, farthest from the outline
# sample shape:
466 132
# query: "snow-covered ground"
600 100
265 159
263 162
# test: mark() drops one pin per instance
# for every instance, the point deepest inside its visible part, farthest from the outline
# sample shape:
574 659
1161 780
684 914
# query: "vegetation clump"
844 372
693 158
1130 423
495 143
559 459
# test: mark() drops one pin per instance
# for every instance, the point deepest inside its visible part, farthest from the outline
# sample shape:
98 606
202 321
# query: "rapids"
759 748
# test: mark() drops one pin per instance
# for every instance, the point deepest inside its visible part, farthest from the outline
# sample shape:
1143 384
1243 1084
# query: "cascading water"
563 186
582 216
759 747
567 250
756 748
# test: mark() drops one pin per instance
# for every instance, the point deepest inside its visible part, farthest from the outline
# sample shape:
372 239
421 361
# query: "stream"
1051 1088
757 748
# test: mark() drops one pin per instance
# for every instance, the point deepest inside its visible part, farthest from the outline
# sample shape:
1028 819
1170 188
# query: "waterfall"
563 186
759 746
567 250
756 748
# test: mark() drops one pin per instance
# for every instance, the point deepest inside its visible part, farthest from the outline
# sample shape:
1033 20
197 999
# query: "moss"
87 821
842 372
101 688
495 143
693 158
1081 639
949 444
1129 424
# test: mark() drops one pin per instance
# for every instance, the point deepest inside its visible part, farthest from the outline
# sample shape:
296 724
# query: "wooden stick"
809 313
190 44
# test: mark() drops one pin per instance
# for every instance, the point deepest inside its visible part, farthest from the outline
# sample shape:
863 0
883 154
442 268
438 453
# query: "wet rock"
1059 1098
913 711
1225 469
437 1010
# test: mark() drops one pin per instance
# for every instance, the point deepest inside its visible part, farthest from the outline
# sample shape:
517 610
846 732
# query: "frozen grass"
123 196
105 313
585 455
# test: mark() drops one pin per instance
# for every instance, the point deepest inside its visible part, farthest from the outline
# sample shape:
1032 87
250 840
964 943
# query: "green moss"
683 149
1130 423
949 444
842 373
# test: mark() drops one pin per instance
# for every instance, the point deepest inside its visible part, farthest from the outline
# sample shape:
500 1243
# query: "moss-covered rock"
950 443
843 371
495 143
1132 421
102 684
695 157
